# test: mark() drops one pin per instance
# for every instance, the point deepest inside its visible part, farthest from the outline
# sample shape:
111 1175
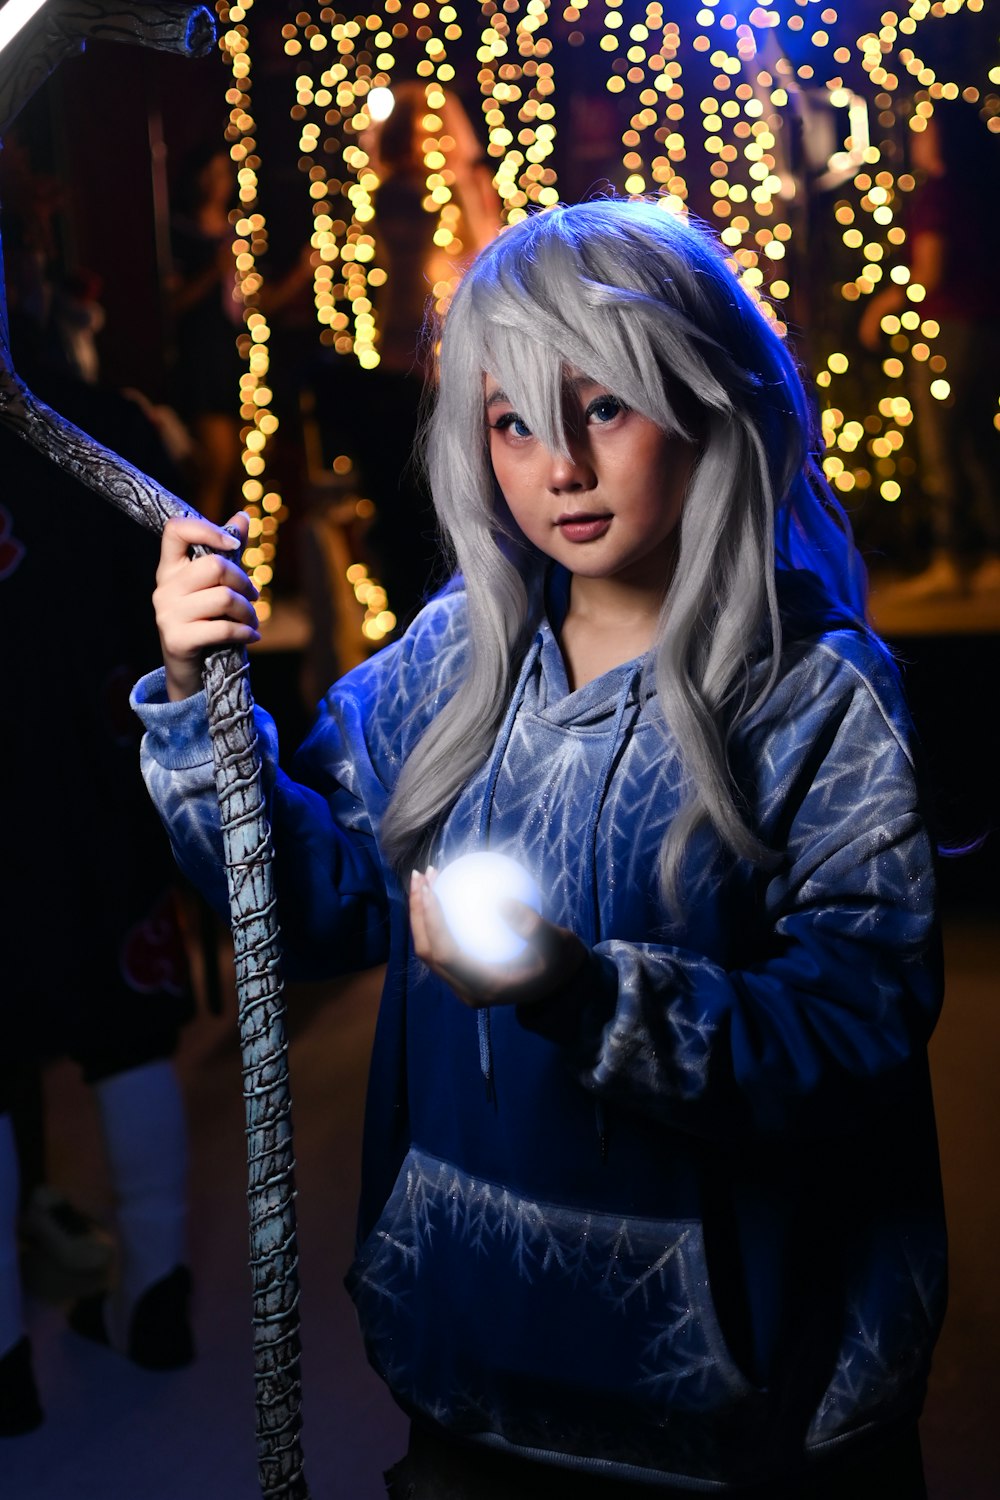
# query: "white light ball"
471 891
380 104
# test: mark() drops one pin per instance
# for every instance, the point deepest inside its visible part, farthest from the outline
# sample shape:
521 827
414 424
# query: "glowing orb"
471 891
380 102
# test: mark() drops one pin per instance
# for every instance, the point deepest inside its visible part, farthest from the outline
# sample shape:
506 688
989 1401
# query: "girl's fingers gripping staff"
203 599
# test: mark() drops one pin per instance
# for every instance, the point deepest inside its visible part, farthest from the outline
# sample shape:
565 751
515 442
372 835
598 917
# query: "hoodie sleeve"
836 983
332 885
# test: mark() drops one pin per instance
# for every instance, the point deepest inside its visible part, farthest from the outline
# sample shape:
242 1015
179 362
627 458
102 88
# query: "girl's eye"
605 409
511 422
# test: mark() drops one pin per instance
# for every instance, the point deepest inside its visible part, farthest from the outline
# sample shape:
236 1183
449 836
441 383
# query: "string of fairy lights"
354 58
654 149
440 200
868 448
517 81
258 422
708 100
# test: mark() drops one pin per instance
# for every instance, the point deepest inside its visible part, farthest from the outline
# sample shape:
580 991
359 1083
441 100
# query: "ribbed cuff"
176 733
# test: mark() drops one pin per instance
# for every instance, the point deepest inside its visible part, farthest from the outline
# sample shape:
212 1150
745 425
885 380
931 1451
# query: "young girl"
655 1207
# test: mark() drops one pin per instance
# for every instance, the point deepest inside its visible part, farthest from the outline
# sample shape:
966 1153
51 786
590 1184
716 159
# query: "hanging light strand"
518 104
499 84
334 115
741 123
536 114
259 423
750 78
862 448
651 66
666 114
868 216
869 221
436 144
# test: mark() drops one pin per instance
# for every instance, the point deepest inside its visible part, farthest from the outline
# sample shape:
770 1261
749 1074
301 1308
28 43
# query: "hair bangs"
520 324
531 374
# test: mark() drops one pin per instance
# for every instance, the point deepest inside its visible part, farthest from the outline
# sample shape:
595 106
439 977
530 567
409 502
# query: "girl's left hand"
553 953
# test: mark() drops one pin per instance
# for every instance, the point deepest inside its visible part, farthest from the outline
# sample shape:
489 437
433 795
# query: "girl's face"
611 508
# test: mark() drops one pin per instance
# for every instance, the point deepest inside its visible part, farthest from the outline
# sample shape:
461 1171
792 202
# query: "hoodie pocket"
893 1309
578 1333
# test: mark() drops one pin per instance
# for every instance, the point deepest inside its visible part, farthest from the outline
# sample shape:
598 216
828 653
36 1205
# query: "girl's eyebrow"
497 397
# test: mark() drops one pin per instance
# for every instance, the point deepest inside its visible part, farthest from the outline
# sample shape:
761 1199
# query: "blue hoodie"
682 1220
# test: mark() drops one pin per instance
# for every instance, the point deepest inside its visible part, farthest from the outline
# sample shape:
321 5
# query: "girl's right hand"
201 603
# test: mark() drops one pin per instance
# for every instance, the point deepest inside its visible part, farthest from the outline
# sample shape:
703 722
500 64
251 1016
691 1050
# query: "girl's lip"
583 527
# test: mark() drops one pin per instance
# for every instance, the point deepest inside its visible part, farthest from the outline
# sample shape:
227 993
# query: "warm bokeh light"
518 105
378 620
711 98
259 423
871 217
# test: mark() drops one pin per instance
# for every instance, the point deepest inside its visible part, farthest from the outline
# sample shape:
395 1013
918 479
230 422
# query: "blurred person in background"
375 414
952 233
96 968
207 316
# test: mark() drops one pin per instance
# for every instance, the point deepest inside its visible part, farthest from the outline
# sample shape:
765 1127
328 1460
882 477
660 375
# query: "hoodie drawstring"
499 752
616 738
590 845
597 806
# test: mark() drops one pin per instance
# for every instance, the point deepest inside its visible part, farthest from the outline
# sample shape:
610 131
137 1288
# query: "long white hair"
644 303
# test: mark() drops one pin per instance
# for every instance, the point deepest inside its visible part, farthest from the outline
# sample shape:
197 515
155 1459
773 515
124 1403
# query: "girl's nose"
569 472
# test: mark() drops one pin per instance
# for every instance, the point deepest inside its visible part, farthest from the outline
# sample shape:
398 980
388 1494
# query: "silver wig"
642 302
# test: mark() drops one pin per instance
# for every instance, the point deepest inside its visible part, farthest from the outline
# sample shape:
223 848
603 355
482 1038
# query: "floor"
114 1432
895 615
